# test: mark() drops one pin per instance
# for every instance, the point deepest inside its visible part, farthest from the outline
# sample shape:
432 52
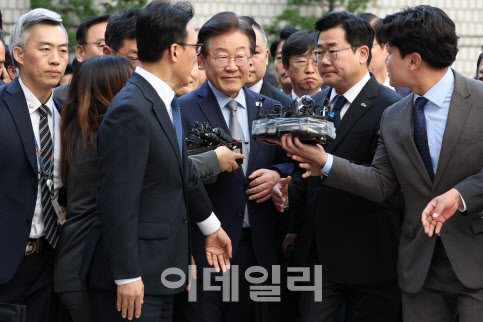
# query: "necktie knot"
44 110
232 106
420 103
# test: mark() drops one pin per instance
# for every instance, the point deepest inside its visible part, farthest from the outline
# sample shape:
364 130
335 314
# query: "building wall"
466 14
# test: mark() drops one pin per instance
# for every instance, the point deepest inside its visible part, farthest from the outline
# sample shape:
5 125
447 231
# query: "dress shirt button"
185 220
28 222
428 119
430 145
34 188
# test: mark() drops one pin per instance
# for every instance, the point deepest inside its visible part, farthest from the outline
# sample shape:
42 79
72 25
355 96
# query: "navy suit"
18 191
229 198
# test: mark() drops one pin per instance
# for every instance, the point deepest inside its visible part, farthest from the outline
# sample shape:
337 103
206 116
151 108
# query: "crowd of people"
106 216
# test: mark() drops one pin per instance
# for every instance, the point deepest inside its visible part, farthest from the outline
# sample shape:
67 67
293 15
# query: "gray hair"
21 30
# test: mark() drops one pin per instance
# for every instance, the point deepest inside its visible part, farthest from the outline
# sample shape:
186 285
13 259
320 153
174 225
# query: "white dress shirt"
257 87
166 93
37 228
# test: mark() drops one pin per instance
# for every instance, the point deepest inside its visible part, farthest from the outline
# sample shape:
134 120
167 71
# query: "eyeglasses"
302 63
331 53
223 61
132 59
197 47
100 44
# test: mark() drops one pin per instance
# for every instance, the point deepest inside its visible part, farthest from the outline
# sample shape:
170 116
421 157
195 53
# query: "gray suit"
397 162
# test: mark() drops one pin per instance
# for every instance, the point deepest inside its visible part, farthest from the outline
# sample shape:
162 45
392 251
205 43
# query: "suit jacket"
397 162
61 91
274 93
228 193
147 192
356 239
19 177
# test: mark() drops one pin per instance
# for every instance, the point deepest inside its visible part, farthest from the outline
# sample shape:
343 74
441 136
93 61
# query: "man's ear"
107 50
79 50
201 62
364 56
415 61
18 55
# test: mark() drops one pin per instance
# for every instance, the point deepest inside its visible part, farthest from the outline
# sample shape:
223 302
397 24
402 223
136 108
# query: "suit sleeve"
298 201
206 166
123 152
471 190
199 203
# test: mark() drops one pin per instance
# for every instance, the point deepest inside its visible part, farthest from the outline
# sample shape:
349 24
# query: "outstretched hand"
311 157
280 192
218 250
439 210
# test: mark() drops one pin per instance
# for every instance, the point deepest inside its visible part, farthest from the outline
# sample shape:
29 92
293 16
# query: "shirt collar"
223 99
257 87
438 92
165 92
32 101
354 91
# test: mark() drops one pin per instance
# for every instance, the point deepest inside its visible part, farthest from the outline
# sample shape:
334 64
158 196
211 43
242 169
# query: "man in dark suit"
240 197
148 191
431 146
258 67
358 254
30 158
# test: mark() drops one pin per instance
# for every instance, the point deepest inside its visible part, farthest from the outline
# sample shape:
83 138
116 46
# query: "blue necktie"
421 135
339 102
177 124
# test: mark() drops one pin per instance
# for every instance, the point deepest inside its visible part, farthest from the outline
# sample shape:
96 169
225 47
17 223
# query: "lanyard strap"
39 156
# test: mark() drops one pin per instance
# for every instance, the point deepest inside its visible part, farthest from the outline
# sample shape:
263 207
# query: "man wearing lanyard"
29 132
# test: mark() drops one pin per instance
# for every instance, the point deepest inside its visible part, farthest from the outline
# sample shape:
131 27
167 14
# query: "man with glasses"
240 197
300 65
148 192
354 239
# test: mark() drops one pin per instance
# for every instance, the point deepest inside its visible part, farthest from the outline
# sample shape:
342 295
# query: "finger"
438 210
130 309
209 258
285 181
138 305
215 263
259 195
307 174
260 188
124 305
221 261
256 173
256 186
267 197
238 155
439 225
431 228
118 302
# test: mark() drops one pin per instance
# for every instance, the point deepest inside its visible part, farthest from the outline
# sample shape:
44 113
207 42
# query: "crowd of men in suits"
390 209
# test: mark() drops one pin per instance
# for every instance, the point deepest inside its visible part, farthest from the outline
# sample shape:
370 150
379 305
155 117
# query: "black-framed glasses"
331 53
302 63
197 46
223 61
100 44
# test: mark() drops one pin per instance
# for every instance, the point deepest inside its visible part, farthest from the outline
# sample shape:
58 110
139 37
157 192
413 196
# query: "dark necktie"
339 102
177 124
421 135
50 219
237 133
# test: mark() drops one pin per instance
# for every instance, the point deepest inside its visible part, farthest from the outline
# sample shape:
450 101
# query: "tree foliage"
73 12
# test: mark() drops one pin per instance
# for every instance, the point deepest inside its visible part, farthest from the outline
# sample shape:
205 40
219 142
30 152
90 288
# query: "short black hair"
298 44
8 57
477 64
376 24
251 21
81 33
159 25
222 23
358 32
120 26
284 34
425 30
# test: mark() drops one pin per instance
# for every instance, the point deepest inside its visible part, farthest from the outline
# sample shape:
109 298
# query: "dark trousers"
32 285
77 304
369 302
154 309
443 297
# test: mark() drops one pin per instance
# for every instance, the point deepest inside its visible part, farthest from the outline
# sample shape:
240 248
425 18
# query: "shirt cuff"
328 165
462 208
127 280
209 225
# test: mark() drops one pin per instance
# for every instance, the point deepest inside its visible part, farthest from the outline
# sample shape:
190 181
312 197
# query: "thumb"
286 181
256 173
440 207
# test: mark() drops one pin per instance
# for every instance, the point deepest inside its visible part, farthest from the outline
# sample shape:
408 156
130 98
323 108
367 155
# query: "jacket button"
28 222
185 220
241 213
34 188
319 188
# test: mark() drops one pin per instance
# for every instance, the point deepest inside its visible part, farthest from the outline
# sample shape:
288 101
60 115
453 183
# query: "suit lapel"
407 139
361 104
160 112
16 103
251 99
459 109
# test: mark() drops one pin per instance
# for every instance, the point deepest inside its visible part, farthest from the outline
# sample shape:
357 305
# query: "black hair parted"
120 26
284 34
81 33
425 30
299 43
159 25
376 24
358 32
222 23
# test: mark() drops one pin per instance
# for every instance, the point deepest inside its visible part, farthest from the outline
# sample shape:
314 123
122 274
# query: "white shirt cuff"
462 208
209 225
127 280
328 165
